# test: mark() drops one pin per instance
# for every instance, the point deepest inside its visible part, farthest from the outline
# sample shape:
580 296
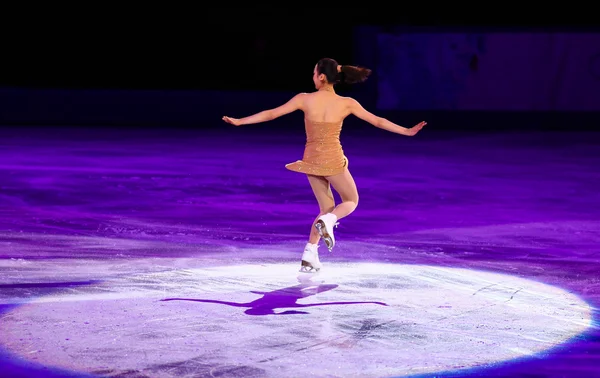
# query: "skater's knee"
354 205
351 198
354 201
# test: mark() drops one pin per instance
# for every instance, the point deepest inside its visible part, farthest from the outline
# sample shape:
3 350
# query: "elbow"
379 122
270 115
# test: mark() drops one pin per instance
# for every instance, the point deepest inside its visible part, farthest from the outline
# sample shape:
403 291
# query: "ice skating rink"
168 255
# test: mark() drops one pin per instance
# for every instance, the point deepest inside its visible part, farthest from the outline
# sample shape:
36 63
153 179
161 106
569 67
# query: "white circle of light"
266 320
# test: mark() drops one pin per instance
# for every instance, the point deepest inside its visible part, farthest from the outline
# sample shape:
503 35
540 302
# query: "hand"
233 121
415 129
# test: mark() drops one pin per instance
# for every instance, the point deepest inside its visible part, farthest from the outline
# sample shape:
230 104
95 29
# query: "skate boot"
310 259
325 225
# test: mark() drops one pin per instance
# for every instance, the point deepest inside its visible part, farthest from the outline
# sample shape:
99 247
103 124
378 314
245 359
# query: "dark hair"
347 74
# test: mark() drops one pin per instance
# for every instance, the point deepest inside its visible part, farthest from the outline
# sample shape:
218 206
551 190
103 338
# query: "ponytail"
341 74
353 74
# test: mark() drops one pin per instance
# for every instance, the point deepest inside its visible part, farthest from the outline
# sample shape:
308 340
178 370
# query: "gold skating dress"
323 153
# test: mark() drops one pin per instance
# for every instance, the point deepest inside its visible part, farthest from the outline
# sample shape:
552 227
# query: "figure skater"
324 162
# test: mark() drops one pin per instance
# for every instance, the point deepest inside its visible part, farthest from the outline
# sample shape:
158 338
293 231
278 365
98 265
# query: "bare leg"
324 196
344 184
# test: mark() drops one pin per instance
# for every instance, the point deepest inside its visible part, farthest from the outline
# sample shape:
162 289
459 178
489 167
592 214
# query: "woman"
324 161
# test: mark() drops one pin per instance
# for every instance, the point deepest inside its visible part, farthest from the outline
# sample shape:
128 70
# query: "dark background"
136 67
226 49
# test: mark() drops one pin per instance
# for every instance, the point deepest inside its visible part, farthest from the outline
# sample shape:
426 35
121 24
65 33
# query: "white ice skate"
310 259
325 225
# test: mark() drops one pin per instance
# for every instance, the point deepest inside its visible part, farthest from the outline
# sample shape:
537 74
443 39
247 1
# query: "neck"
327 88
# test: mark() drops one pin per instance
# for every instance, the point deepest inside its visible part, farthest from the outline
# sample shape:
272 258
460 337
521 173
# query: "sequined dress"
323 154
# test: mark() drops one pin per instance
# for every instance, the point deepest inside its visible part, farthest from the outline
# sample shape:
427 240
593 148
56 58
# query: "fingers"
231 121
415 129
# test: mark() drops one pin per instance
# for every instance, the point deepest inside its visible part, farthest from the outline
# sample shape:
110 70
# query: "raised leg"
346 187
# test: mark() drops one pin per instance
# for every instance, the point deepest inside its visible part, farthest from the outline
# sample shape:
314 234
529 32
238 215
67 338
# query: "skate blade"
320 225
306 267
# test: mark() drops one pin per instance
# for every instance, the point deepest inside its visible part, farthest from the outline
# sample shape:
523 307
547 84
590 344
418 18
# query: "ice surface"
101 226
357 319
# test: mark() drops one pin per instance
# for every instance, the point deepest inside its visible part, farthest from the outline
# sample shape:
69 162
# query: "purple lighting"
172 253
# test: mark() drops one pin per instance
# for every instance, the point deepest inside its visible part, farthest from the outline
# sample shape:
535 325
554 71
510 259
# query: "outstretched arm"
357 109
268 115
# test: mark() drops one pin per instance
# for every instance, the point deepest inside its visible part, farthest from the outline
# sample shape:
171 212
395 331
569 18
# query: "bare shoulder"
347 99
349 102
299 99
354 107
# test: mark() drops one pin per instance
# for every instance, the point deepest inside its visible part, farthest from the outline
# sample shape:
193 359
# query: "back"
323 106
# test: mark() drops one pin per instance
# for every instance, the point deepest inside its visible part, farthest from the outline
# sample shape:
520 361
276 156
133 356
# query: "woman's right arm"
294 104
357 109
